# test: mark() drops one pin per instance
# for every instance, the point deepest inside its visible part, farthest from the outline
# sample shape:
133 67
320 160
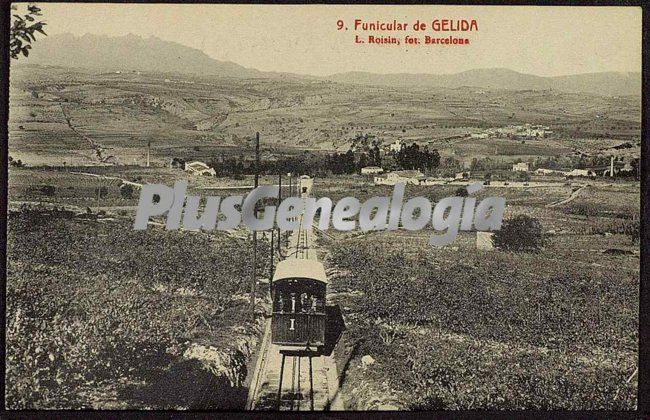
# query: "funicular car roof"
295 268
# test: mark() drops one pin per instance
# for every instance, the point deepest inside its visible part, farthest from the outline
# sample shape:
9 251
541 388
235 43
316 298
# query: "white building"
396 146
543 171
199 168
526 130
371 170
400 177
580 172
520 167
462 175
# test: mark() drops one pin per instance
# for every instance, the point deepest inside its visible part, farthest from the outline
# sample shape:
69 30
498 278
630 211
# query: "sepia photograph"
304 207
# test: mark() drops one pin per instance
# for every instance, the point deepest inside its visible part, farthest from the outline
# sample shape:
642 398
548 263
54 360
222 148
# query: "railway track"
288 379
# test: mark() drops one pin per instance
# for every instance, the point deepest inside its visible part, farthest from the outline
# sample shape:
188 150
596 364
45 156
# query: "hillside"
130 52
607 83
61 114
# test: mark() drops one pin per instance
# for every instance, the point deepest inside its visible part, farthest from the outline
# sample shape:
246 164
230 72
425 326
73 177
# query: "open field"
459 328
78 186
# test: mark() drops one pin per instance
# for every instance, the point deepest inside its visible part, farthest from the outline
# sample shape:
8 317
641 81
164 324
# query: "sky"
304 39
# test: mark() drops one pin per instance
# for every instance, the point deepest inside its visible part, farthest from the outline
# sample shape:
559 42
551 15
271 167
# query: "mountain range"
605 83
132 52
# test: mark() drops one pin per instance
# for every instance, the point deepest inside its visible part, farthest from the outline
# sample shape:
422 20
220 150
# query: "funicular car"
298 292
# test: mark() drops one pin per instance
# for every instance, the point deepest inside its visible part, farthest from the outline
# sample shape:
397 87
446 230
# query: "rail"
291 378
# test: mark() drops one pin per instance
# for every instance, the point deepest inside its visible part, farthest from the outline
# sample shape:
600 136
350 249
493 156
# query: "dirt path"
571 197
124 181
99 150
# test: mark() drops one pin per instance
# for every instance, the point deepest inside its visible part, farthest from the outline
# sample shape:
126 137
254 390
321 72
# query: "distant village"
401 162
514 131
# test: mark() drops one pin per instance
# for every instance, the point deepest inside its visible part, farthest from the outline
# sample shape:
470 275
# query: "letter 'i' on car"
298 292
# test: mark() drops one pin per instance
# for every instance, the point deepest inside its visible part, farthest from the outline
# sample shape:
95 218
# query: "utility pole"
279 201
290 190
271 260
99 194
257 175
148 153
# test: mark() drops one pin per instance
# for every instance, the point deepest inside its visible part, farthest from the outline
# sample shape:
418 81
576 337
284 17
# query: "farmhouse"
580 172
627 167
400 177
462 175
520 167
396 146
371 170
543 171
526 130
199 168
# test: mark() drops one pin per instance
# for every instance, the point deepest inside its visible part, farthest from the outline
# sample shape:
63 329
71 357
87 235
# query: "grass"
457 328
466 330
95 307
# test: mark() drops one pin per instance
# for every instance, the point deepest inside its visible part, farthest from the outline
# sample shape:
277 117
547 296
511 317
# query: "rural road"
571 197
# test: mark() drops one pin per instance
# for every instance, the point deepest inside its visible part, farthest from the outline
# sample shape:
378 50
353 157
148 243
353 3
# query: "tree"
23 28
375 155
520 234
349 167
15 163
412 157
363 161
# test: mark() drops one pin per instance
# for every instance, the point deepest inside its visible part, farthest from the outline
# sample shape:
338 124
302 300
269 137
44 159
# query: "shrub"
48 190
461 192
586 209
523 176
521 233
89 304
632 228
126 191
15 163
